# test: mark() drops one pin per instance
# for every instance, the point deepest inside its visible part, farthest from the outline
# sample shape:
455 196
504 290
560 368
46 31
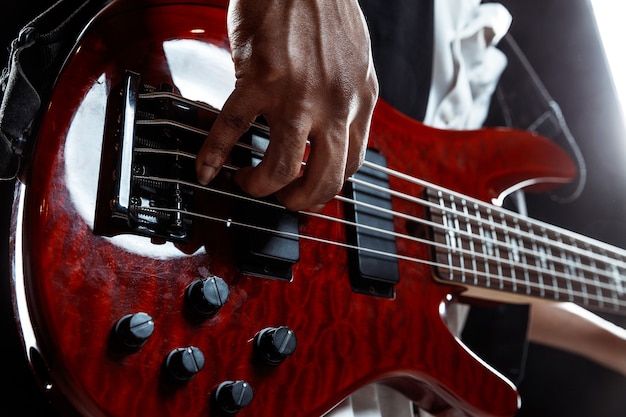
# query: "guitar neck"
484 246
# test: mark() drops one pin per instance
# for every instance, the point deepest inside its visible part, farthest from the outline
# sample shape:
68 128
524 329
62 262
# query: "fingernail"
206 174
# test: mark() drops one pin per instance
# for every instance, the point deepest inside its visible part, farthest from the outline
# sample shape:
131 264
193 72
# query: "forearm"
571 328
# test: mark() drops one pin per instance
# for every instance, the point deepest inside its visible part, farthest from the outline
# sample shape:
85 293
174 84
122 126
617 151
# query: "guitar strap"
498 333
36 57
525 103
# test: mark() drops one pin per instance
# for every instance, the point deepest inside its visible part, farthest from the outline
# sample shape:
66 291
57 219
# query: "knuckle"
214 147
331 189
372 83
285 172
310 193
325 190
262 182
354 163
235 122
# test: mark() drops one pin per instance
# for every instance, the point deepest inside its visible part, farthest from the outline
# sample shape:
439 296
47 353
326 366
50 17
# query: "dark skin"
306 66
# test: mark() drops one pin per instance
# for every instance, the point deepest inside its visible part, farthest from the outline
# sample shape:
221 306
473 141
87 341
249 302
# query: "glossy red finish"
78 284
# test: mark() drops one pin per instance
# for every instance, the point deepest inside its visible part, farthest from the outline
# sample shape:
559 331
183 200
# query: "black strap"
35 60
525 103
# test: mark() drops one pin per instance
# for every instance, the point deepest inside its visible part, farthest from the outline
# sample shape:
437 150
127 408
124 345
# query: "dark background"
560 40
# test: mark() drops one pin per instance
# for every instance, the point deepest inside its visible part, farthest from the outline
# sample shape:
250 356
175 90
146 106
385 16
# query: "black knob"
232 396
274 344
132 330
206 296
182 364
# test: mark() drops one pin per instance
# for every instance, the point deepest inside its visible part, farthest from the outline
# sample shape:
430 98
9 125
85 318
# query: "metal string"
456 232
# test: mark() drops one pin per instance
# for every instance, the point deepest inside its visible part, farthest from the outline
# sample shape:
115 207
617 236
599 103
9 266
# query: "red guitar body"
73 285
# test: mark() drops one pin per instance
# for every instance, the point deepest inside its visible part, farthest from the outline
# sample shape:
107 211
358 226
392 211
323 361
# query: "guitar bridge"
148 184
151 187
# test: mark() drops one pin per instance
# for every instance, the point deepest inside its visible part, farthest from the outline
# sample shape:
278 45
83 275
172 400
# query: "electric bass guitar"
142 293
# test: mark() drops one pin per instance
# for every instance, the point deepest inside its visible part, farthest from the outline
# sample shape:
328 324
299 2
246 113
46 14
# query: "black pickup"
373 267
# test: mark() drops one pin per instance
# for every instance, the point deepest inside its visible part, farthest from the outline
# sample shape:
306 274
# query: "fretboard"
484 246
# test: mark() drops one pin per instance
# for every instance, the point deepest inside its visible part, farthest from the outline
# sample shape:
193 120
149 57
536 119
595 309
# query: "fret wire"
457 227
552 268
484 246
618 282
472 248
539 260
486 206
524 259
507 239
606 278
618 288
567 269
596 278
496 248
446 232
605 281
582 282
489 238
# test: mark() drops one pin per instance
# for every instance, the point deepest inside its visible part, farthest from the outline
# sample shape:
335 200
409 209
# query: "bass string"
487 275
478 204
264 129
546 256
568 277
520 249
543 256
600 299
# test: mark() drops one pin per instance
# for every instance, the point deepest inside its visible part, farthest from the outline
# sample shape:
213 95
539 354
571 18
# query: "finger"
233 121
323 176
282 162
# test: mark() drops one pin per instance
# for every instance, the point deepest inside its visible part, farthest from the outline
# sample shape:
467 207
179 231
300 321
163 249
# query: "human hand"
307 68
